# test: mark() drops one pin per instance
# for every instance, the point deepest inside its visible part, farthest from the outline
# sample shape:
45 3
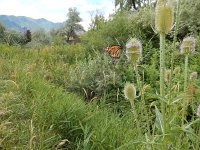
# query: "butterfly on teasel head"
114 51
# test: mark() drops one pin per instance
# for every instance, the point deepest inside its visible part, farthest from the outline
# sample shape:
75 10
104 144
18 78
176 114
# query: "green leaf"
159 120
177 99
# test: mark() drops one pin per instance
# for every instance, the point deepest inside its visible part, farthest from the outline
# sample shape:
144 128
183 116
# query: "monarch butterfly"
114 51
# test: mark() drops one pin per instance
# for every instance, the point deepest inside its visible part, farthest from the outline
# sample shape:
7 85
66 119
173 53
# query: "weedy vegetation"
73 95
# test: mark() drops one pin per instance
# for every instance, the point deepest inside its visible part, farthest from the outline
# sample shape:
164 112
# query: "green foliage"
12 37
119 28
71 53
73 20
41 92
189 18
129 4
2 30
97 22
39 37
97 76
33 104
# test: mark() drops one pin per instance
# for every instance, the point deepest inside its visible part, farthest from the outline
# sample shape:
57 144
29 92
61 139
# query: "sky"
56 10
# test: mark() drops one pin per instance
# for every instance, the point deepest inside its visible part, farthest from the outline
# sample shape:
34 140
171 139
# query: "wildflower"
130 93
134 50
193 76
164 17
188 45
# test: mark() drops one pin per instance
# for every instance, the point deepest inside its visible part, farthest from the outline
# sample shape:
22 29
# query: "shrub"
98 75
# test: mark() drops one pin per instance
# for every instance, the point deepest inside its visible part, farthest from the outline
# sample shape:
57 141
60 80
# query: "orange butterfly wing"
114 51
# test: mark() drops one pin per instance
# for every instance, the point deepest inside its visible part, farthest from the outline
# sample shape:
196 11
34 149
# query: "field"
79 95
38 112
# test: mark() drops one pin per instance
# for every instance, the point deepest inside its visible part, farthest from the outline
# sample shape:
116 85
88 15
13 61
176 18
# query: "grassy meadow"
75 96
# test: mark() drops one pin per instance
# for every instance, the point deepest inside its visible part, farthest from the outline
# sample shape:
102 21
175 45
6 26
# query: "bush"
99 75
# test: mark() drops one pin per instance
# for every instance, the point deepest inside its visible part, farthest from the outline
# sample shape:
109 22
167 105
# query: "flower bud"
188 45
134 50
164 17
130 92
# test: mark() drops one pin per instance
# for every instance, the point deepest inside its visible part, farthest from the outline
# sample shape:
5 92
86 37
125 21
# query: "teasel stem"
186 73
138 78
162 73
174 48
185 88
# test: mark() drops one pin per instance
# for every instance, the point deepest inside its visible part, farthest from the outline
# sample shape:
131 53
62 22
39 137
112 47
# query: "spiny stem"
186 73
174 47
138 78
185 87
162 72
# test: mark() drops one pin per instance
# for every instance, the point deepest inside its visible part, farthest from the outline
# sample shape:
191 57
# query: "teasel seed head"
130 92
193 76
164 16
188 45
134 50
167 75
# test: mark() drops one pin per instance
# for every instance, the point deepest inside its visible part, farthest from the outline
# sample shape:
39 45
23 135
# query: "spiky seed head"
191 90
167 75
164 16
188 45
134 50
130 92
193 76
177 70
198 111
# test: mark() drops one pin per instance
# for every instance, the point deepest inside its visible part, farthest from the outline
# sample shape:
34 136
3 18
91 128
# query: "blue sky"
56 10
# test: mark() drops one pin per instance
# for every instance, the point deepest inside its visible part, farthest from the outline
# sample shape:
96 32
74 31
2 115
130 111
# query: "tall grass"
37 112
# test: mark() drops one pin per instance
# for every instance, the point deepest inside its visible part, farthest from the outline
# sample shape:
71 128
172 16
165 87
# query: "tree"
97 21
72 25
13 37
40 36
28 36
130 4
2 32
73 20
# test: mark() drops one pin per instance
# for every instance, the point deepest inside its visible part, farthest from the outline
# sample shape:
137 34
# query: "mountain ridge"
21 23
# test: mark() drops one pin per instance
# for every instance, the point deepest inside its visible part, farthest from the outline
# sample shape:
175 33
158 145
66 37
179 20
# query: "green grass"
37 113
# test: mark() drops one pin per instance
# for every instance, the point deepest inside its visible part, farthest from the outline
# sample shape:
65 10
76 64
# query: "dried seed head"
130 91
177 70
188 45
134 50
167 75
198 111
193 76
191 90
164 17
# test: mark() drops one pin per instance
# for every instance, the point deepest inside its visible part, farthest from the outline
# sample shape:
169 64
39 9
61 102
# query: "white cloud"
56 11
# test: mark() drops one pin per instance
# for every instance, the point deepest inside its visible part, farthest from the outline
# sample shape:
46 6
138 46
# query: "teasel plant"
134 55
187 48
164 18
191 88
130 94
174 44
